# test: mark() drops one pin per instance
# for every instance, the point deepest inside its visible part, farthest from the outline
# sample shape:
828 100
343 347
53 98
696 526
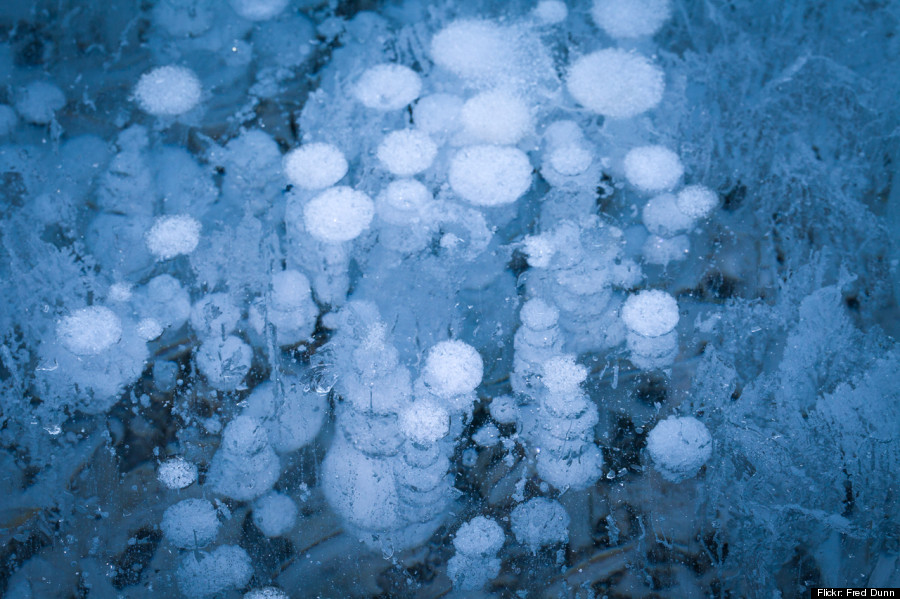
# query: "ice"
258 10
650 313
177 473
540 522
274 514
488 175
438 114
662 216
388 87
245 466
476 542
697 201
653 168
224 361
338 214
315 165
38 102
407 152
424 422
630 18
616 83
190 524
291 309
168 91
214 315
453 368
207 574
89 331
679 446
476 50
7 120
495 117
173 236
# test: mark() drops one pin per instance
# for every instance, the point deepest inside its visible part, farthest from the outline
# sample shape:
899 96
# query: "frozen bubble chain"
653 168
616 83
679 446
338 214
315 166
540 522
424 422
630 18
487 175
90 331
477 543
173 236
388 87
177 473
190 523
168 91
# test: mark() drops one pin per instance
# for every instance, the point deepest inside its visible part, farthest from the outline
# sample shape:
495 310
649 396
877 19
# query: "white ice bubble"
653 168
662 217
478 537
224 362
39 101
406 152
168 91
338 214
630 18
206 574
697 201
173 236
453 368
478 50
650 313
388 87
176 473
616 83
315 165
258 10
274 514
424 422
679 447
540 522
89 331
190 524
496 117
490 175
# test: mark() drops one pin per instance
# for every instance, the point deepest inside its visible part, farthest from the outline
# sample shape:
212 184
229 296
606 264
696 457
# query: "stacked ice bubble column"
580 267
477 543
537 340
651 317
358 477
563 432
245 466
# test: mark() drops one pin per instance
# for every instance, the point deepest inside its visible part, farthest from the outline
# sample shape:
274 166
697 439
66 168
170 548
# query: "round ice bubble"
338 214
538 315
173 236
168 91
315 165
650 313
479 50
616 83
266 593
438 114
258 10
89 331
39 101
424 422
630 18
149 329
479 536
697 201
653 168
496 117
540 522
551 11
662 217
407 152
190 524
453 368
206 574
290 290
214 314
571 160
224 362
388 87
561 374
274 514
490 175
679 447
663 250
177 473
402 200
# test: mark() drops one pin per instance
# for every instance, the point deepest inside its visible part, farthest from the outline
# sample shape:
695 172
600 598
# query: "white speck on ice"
453 368
679 447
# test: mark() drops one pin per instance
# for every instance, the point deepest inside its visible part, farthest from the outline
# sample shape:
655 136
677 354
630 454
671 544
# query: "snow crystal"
653 168
631 18
424 422
650 313
177 473
551 11
479 536
89 331
315 165
616 83
540 522
406 152
274 514
490 175
258 10
172 236
496 117
679 447
453 368
168 91
388 87
697 201
338 214
206 574
475 50
224 362
190 524
38 102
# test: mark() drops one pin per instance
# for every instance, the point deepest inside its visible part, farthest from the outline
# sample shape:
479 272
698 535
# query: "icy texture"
177 473
173 236
679 447
653 168
338 214
168 91
190 524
